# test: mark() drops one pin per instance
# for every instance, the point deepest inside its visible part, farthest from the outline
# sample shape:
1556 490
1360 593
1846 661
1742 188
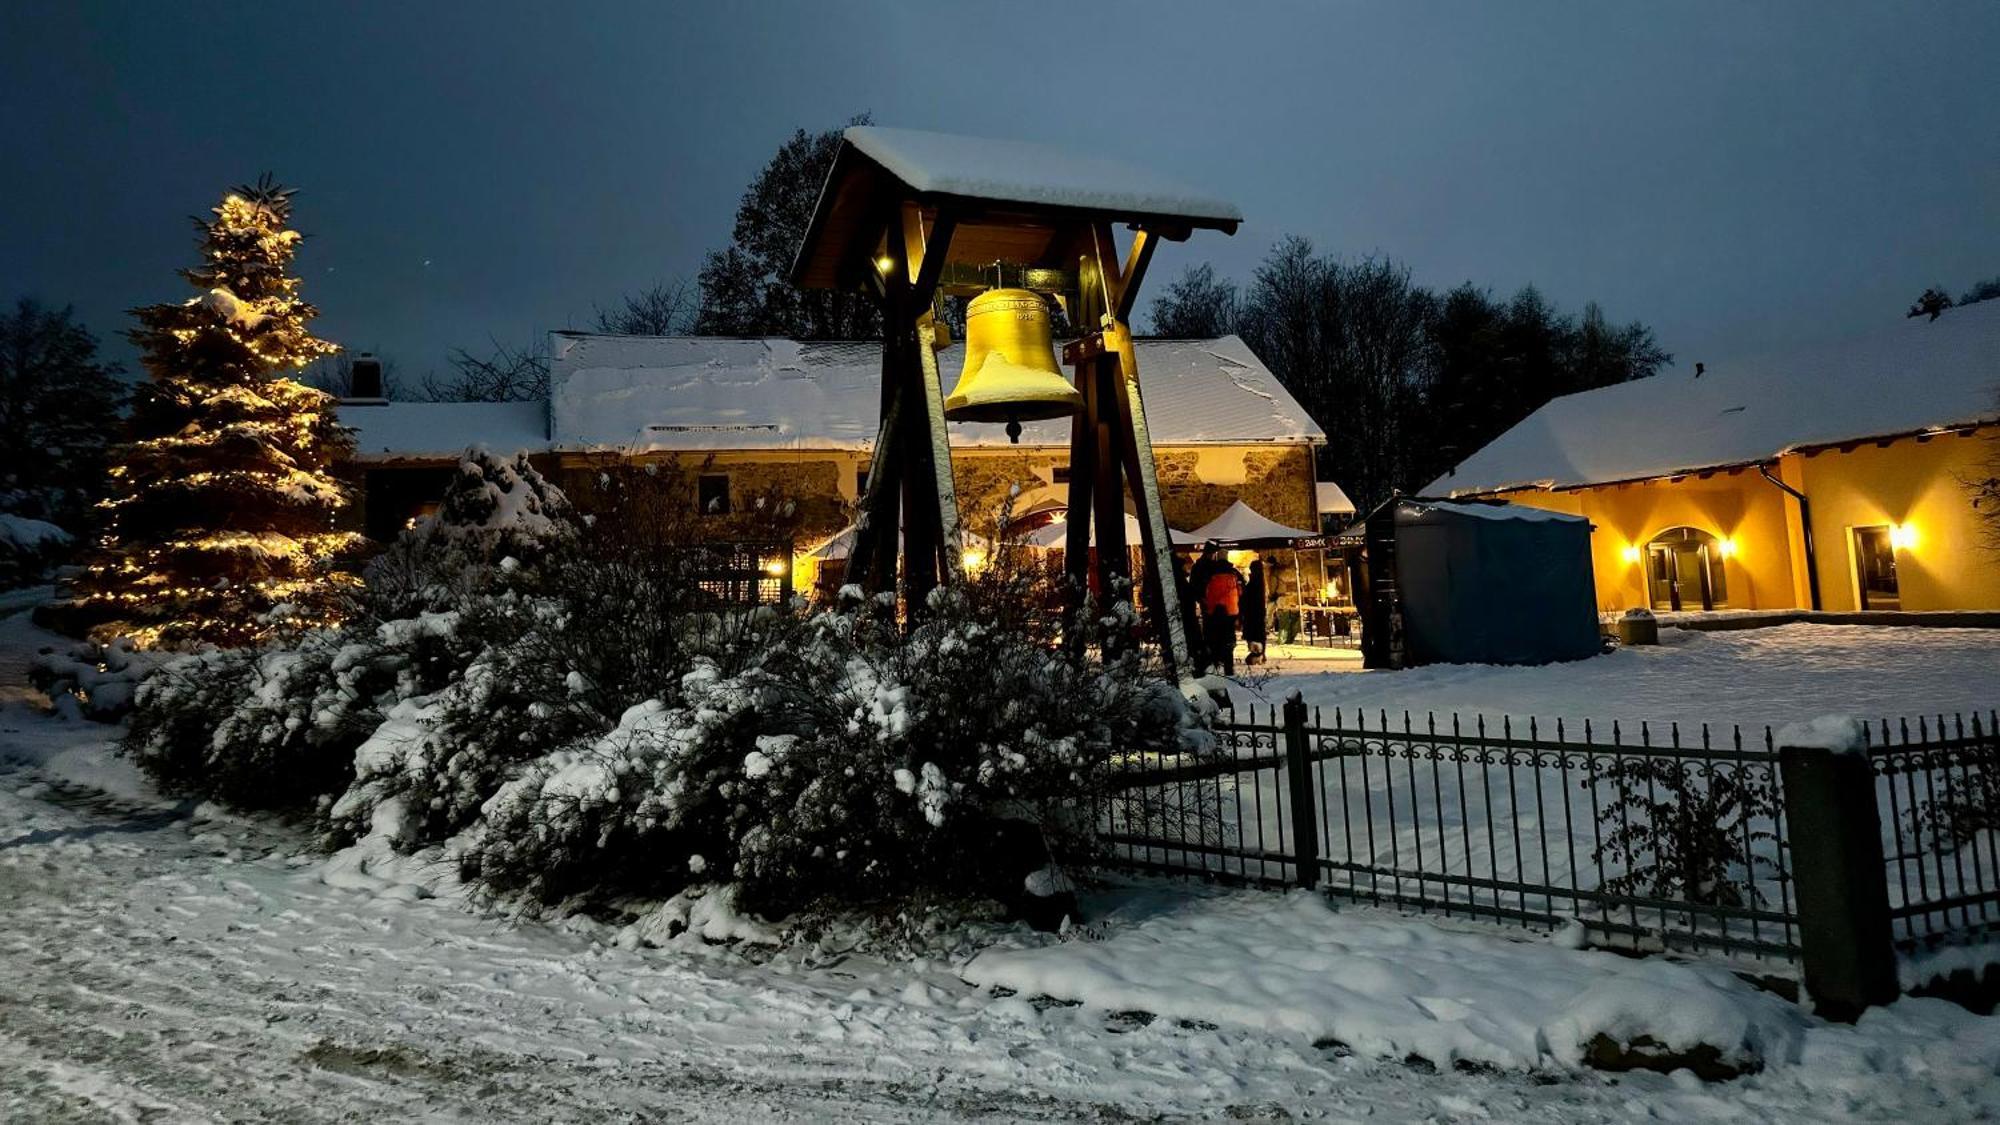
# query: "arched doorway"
1684 570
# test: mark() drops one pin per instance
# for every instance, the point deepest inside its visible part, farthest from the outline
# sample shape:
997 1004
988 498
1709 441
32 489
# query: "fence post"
1305 814
1841 874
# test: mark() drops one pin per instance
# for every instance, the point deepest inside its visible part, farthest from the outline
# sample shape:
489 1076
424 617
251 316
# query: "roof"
1015 182
1331 500
1241 523
1420 507
433 430
1920 376
648 393
641 394
1023 172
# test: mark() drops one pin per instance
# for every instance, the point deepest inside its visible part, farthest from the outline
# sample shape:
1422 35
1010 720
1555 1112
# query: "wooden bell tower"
909 217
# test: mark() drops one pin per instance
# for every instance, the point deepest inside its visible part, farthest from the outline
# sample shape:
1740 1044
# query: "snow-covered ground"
166 961
1751 677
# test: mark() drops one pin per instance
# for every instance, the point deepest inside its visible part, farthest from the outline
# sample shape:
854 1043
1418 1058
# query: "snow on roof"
1331 500
660 393
1493 511
1922 375
1023 172
431 430
1241 523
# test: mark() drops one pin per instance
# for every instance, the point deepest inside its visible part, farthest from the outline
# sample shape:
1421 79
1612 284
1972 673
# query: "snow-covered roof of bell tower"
1025 172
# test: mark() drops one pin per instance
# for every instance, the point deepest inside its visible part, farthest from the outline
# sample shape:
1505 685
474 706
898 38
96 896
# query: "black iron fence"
1647 838
1938 787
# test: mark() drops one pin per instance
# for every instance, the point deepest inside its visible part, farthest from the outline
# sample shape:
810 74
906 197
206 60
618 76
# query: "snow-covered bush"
28 548
498 519
98 681
845 758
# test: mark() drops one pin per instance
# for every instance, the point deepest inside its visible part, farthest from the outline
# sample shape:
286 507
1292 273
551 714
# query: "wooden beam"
929 261
1146 496
1134 273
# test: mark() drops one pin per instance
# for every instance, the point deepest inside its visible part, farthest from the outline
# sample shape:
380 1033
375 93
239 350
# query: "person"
1255 614
1221 598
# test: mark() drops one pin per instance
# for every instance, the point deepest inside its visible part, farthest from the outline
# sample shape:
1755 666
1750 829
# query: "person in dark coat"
1253 615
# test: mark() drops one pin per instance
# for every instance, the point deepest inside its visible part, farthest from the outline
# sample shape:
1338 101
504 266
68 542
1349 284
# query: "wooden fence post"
1841 874
1305 814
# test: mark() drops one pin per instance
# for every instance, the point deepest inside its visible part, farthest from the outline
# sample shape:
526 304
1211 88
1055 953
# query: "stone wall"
1196 484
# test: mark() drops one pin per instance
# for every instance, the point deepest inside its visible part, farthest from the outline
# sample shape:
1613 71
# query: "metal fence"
1647 839
1938 793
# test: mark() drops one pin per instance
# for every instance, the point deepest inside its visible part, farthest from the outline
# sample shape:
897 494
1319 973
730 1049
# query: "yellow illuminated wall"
1911 484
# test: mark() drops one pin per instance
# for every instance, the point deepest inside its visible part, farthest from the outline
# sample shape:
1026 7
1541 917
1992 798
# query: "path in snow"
1753 677
194 966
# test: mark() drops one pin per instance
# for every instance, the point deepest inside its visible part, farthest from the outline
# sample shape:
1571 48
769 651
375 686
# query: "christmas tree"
221 518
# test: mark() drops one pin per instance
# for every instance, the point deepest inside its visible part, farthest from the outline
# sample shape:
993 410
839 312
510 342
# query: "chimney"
364 379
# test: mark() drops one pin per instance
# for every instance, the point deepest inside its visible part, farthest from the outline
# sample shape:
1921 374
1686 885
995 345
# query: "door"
1875 568
1684 570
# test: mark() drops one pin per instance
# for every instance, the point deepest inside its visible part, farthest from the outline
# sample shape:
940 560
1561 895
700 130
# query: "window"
861 482
1059 474
1875 568
1684 570
712 494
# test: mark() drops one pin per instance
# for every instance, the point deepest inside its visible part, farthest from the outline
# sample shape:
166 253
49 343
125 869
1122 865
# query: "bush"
847 759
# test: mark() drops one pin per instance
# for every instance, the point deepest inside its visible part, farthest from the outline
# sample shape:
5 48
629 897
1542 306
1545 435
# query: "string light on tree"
223 506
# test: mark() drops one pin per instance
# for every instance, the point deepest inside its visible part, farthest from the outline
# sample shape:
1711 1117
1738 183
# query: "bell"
1010 370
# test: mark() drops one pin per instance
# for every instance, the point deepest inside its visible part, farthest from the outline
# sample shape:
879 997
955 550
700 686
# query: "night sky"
1736 175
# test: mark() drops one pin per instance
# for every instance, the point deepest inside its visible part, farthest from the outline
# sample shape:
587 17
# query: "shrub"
844 758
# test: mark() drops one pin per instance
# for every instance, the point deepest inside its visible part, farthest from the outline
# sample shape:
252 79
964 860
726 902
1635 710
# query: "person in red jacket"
1221 600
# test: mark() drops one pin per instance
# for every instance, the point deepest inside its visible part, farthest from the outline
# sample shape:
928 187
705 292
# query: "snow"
1915 376
1841 733
1778 675
1240 523
1290 964
1023 172
1331 500
164 962
1490 511
26 534
662 393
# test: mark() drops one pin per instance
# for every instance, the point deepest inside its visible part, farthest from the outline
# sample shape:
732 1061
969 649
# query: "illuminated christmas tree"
221 519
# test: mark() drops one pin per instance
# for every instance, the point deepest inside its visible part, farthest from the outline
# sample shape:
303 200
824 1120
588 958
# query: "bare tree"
505 375
666 309
1197 306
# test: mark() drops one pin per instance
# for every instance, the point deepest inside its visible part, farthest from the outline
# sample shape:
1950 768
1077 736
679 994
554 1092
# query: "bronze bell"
1010 372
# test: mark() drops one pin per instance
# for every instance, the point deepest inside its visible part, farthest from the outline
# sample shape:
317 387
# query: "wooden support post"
1129 411
1841 877
1114 565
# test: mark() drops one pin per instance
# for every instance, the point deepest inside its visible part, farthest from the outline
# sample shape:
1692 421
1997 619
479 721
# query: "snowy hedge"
556 705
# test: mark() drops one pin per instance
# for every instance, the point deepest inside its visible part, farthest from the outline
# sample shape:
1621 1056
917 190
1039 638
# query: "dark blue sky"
1737 175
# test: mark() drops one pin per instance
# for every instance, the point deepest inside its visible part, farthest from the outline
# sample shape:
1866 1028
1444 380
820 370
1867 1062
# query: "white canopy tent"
1244 526
842 543
1056 535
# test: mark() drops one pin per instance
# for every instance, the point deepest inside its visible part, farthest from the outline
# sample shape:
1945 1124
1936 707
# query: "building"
1832 478
773 417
